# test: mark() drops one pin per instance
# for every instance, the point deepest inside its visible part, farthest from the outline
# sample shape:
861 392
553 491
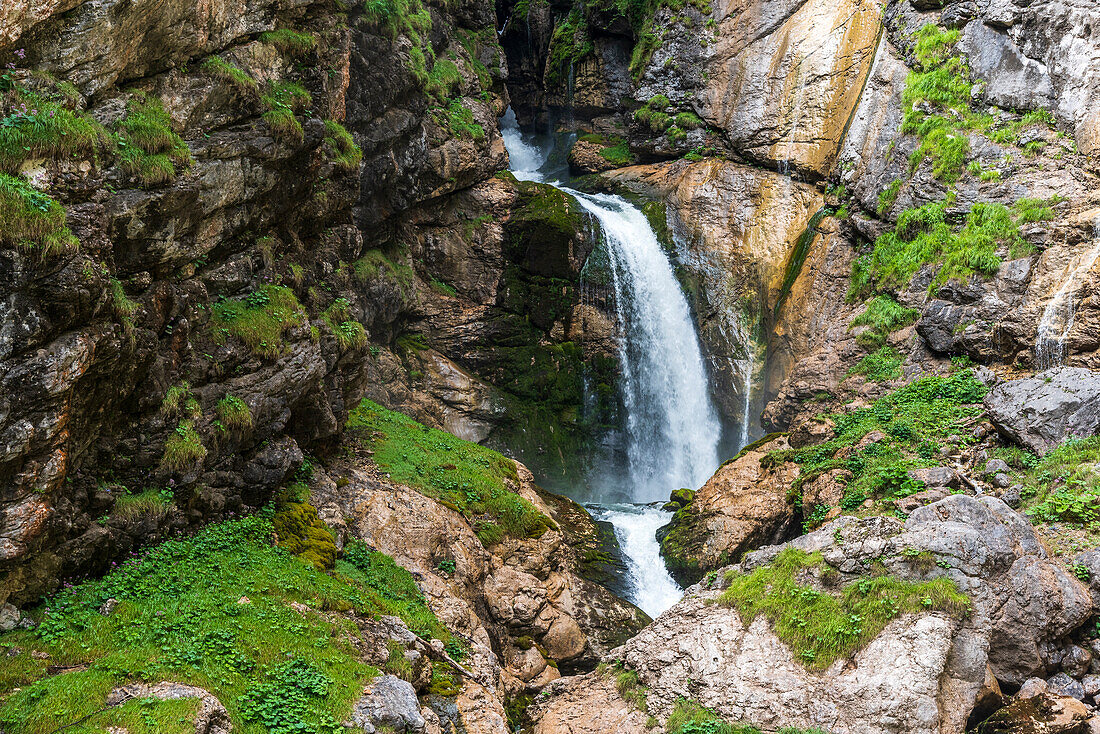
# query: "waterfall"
1060 311
671 426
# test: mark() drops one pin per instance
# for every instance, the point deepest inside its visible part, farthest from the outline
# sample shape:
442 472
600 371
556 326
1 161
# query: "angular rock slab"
1043 411
390 704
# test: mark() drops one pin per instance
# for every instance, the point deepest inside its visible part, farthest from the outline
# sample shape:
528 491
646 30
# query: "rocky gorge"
345 347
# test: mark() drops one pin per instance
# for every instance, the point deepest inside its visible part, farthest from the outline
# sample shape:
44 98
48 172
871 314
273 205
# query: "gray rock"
996 466
1091 684
1043 411
1076 661
1001 480
1066 686
1032 687
387 701
1012 496
936 476
9 617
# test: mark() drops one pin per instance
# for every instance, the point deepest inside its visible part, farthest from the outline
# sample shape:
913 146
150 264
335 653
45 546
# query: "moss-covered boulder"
549 234
743 506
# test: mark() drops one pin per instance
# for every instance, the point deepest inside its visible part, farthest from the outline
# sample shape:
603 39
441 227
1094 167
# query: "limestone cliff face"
269 211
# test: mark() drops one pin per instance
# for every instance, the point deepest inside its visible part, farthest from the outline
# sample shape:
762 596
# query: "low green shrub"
879 366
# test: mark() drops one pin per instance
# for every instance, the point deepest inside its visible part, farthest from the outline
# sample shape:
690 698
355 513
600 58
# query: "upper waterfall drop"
672 426
1061 309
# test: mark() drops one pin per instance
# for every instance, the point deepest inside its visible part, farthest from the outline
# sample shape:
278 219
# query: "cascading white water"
636 530
671 425
672 428
1060 311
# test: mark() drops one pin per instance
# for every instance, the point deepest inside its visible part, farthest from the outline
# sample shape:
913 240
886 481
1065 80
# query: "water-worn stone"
1043 411
1064 685
211 718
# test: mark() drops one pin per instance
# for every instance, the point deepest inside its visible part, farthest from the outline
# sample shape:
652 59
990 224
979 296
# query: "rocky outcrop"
531 588
1042 412
921 673
742 507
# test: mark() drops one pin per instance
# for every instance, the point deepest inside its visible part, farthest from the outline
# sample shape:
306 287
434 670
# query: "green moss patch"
472 479
259 320
822 627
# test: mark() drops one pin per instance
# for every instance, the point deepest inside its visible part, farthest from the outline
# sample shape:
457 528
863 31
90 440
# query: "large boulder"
1041 412
387 704
923 673
742 507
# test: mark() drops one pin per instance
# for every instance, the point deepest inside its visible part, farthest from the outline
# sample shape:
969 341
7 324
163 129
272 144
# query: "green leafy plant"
884 316
260 320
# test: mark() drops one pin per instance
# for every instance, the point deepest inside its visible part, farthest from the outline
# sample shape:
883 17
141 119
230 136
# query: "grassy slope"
213 611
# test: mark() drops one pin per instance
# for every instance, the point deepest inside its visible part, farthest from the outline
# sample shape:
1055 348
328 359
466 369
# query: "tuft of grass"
283 100
375 263
631 689
396 662
150 503
459 119
884 316
233 412
888 196
444 81
341 148
259 320
178 400
183 449
821 627
926 235
349 332
41 126
148 148
470 479
239 79
291 42
32 220
213 610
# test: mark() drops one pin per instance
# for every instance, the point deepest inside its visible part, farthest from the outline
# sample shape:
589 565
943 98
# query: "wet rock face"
1041 412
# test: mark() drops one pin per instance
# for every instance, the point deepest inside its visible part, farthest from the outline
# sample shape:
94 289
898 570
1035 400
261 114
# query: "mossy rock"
680 541
547 233
302 533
